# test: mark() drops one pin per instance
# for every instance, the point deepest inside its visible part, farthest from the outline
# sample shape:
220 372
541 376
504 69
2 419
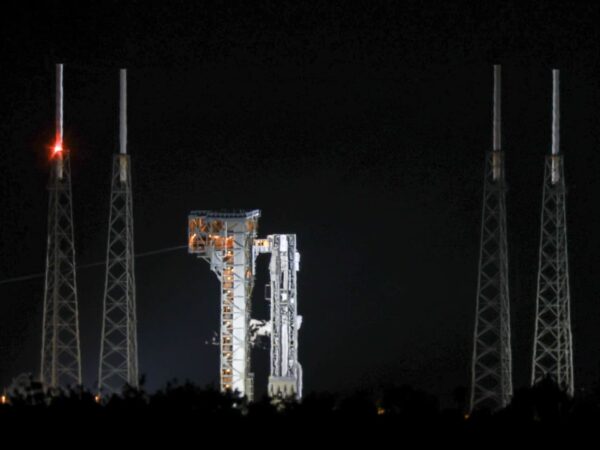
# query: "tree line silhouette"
543 407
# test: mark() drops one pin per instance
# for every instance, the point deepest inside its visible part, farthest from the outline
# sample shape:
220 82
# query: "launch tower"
225 241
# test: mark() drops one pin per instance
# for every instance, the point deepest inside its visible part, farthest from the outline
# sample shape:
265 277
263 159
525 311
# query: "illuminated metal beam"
555 124
59 103
497 138
58 144
123 111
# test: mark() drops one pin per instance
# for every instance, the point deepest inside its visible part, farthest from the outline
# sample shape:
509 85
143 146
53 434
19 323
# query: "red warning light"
57 148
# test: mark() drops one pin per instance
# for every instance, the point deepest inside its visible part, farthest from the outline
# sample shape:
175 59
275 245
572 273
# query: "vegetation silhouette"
544 406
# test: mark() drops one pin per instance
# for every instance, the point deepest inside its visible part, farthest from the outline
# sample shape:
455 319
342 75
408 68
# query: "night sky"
359 126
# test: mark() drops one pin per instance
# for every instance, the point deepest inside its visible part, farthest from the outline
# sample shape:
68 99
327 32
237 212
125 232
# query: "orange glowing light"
58 148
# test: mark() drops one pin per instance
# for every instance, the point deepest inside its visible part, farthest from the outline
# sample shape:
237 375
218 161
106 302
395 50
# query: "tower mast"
118 347
491 371
61 356
553 345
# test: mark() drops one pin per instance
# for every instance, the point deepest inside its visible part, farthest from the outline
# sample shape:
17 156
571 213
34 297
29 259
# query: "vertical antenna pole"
59 121
123 112
555 111
555 124
497 108
59 103
497 142
123 126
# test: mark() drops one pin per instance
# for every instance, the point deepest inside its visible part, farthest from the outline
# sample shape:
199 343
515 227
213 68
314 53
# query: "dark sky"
359 126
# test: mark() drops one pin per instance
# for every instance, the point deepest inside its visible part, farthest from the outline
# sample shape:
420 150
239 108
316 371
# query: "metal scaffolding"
118 348
491 372
61 355
553 344
225 241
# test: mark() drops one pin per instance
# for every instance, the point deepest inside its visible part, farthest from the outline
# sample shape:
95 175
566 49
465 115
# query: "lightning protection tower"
553 347
118 348
61 356
491 377
225 241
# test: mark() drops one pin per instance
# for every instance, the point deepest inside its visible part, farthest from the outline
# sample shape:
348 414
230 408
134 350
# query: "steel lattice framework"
491 382
225 241
553 343
118 350
61 355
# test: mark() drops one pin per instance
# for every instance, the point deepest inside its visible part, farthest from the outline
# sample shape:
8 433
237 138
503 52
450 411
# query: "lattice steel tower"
118 348
225 241
61 356
553 345
491 377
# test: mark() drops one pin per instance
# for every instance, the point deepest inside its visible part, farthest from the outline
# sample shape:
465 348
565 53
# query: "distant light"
3 399
58 148
97 398
380 411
